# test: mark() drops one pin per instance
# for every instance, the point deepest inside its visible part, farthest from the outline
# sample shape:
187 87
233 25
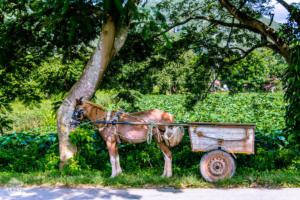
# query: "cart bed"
231 137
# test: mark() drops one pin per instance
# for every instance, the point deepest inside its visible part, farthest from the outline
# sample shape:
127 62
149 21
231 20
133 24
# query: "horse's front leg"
111 146
167 157
119 170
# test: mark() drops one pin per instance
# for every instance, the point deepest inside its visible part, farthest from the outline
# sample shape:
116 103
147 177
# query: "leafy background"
37 150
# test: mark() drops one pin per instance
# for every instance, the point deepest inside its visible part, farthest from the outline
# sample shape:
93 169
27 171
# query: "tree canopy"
215 36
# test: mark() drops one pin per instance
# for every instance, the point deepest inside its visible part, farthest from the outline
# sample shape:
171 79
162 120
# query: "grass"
36 118
150 179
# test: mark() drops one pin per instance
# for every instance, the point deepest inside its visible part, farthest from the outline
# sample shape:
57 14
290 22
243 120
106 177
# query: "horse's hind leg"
167 156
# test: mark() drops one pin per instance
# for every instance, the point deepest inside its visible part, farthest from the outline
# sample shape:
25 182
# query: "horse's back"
155 115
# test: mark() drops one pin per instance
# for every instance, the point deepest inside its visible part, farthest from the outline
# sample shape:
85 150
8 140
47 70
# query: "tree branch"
230 33
286 5
259 27
238 48
247 52
271 20
210 19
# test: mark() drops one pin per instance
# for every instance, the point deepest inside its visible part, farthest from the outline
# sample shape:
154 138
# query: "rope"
150 132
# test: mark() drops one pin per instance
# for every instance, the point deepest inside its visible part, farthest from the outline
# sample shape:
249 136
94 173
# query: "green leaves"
113 6
28 151
66 7
260 71
292 79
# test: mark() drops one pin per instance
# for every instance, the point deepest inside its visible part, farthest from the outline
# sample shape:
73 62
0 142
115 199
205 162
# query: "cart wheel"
216 165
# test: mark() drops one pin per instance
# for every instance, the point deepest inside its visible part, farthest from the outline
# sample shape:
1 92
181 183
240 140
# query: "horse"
117 133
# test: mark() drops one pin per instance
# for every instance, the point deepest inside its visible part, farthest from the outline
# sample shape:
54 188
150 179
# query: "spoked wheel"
216 165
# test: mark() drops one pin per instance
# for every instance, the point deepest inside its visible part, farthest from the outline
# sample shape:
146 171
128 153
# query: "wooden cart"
220 140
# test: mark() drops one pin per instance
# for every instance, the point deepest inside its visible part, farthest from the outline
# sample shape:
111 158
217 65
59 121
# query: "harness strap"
117 116
115 119
108 115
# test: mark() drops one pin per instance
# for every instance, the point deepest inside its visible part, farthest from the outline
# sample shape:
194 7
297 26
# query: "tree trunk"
110 42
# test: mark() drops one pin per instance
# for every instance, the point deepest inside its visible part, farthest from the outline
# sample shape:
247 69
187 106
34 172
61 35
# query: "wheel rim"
217 166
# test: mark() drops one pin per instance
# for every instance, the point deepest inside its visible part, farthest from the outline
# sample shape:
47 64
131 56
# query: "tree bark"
110 42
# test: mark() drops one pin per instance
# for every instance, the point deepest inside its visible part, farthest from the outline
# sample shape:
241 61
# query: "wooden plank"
222 124
230 139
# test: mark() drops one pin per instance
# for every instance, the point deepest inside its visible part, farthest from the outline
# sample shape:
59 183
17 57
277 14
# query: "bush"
27 151
272 151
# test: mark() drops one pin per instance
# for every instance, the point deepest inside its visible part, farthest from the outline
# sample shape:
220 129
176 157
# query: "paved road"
147 194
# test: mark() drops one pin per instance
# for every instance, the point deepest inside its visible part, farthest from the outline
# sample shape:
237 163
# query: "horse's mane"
95 105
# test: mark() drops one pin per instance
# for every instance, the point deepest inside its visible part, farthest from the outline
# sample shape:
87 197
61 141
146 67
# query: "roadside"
148 194
151 179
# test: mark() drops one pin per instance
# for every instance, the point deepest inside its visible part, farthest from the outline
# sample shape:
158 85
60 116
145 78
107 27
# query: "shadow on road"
66 194
170 190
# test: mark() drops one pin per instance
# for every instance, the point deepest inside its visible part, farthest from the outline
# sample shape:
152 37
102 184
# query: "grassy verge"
150 179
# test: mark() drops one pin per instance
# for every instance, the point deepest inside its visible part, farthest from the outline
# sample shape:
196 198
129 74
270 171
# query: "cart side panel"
230 139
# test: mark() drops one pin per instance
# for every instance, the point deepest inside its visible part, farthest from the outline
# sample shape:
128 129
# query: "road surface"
148 194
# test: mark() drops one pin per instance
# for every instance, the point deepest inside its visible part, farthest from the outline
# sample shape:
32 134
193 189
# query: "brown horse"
113 134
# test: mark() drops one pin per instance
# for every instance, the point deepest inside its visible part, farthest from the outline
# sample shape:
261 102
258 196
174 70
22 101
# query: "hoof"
166 175
118 173
113 176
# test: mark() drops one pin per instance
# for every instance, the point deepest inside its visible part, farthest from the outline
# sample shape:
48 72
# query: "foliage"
273 147
292 96
92 151
192 73
28 151
265 109
273 150
38 118
55 77
5 123
32 151
88 147
35 31
261 68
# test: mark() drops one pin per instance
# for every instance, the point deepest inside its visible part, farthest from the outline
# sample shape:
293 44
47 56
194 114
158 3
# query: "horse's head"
79 112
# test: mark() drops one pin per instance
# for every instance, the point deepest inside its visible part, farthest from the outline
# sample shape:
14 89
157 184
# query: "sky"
280 12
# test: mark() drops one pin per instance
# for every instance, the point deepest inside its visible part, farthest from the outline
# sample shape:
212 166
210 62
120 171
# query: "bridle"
77 114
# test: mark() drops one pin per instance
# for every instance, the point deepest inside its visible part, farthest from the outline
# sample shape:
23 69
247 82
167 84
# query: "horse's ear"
78 101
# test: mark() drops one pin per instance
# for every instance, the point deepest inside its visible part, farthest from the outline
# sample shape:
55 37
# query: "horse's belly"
132 135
